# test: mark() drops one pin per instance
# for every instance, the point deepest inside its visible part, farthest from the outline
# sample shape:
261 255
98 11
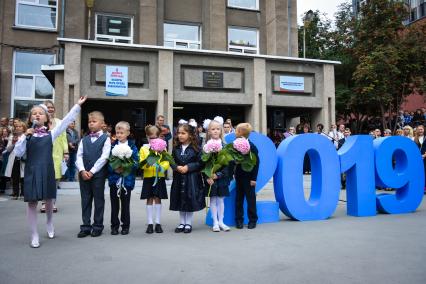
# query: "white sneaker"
223 227
51 235
34 243
216 228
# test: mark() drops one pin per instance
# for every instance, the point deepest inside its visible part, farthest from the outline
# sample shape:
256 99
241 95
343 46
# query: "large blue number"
288 178
407 176
267 211
357 160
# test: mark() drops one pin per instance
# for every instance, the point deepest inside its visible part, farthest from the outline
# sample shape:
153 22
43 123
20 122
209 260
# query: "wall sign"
116 81
213 80
292 84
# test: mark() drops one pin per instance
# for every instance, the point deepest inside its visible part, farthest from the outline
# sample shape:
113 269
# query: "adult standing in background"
60 148
165 134
73 138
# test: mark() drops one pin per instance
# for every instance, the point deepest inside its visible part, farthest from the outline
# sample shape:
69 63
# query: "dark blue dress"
39 179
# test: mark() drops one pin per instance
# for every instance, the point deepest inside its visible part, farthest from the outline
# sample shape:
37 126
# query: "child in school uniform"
118 194
39 180
153 193
246 183
219 182
187 192
16 165
92 155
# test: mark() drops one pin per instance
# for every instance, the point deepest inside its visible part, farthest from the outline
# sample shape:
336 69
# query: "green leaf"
152 159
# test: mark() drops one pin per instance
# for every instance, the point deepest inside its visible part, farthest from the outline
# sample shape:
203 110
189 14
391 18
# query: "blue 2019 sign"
391 162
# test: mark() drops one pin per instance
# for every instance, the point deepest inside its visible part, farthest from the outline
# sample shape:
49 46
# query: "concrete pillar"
214 25
326 115
148 22
61 106
281 27
165 86
258 112
72 67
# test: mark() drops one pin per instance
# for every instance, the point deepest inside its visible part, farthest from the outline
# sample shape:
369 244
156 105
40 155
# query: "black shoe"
114 231
158 228
83 234
125 231
180 228
239 225
188 229
96 233
251 225
150 229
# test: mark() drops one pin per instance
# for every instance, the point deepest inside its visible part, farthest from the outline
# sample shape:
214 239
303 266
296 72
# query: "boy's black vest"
92 152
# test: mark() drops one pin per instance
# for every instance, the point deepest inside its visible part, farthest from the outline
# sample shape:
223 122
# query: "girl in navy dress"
39 180
187 192
219 182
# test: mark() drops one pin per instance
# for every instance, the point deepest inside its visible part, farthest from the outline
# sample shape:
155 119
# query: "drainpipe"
89 4
62 32
289 27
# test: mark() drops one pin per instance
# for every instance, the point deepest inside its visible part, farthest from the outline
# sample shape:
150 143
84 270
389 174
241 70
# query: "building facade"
187 58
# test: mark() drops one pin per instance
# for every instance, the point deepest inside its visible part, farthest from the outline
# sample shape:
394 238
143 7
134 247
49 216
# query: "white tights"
217 209
32 218
186 217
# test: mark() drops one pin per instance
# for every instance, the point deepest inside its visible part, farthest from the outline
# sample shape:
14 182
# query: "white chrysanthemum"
121 151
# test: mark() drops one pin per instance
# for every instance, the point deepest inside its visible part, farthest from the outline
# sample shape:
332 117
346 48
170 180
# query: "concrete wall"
143 59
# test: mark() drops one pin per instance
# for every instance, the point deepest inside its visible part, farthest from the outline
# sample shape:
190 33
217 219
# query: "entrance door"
138 114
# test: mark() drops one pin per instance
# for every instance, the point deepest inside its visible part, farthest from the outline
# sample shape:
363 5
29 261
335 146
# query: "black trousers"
92 190
244 189
115 207
17 180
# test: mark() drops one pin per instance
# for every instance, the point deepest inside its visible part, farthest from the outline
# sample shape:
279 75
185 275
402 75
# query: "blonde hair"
244 129
123 125
97 114
214 122
152 129
410 129
399 132
21 123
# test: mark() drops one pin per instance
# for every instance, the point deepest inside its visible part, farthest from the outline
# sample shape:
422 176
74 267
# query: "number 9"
407 176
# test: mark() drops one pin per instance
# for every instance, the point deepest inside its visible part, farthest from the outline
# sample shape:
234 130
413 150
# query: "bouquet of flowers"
240 152
156 156
121 157
214 157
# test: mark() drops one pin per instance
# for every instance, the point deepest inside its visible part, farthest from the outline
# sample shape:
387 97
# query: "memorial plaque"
213 80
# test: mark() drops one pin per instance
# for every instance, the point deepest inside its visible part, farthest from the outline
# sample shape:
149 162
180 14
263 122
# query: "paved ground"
343 249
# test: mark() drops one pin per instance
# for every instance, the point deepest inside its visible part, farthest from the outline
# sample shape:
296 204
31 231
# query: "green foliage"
382 60
126 164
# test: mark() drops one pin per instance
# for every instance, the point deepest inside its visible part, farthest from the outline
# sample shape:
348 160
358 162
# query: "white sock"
188 218
149 213
158 213
49 214
182 215
213 210
32 220
221 209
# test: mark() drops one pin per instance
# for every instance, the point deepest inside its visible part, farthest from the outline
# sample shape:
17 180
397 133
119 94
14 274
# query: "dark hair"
193 140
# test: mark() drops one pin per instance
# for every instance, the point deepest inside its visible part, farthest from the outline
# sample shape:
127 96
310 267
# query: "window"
245 4
182 36
39 14
30 86
243 40
114 28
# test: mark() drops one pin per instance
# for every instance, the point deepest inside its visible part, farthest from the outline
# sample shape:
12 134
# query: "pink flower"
157 145
212 146
242 145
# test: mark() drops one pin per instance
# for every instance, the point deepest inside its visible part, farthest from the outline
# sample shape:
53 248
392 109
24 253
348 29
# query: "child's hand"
252 183
84 175
210 181
214 177
119 170
184 169
81 100
30 131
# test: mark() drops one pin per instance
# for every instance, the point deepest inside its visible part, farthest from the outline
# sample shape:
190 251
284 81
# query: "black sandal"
180 228
188 229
